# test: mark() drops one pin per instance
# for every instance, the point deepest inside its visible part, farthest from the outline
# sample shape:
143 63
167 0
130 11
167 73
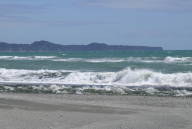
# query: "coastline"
53 111
81 89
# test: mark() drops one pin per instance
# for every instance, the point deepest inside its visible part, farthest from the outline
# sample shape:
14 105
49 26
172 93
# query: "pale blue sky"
166 23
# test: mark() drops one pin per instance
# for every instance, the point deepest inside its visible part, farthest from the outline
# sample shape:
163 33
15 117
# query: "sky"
166 23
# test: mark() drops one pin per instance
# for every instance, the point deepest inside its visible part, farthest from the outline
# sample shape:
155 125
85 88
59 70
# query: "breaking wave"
26 57
110 60
170 59
126 77
167 59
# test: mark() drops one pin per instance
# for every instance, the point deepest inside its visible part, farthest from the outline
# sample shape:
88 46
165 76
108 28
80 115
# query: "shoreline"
64 111
96 89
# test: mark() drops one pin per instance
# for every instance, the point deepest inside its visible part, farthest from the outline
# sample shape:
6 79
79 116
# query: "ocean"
167 73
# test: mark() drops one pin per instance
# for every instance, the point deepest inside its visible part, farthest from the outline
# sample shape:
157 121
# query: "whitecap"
126 77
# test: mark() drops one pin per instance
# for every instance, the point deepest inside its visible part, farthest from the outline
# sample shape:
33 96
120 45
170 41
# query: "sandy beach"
38 111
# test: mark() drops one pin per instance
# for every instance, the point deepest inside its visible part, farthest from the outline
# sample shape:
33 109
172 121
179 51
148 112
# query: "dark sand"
35 111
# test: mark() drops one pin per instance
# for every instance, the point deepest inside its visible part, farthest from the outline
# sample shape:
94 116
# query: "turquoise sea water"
111 68
99 61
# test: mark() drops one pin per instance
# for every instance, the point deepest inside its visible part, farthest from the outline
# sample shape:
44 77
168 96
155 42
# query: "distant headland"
46 46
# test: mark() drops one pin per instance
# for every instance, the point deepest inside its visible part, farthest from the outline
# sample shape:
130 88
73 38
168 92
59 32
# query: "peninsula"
46 46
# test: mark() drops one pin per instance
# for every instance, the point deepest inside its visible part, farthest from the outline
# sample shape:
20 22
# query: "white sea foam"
130 59
170 59
27 57
183 93
69 60
126 77
5 57
44 57
106 60
96 60
93 60
20 58
167 59
110 60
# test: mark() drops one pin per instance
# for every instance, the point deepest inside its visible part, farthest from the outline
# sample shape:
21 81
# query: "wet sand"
38 111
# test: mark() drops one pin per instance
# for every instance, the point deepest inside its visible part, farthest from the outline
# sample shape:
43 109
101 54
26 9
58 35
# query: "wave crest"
26 57
126 77
168 59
